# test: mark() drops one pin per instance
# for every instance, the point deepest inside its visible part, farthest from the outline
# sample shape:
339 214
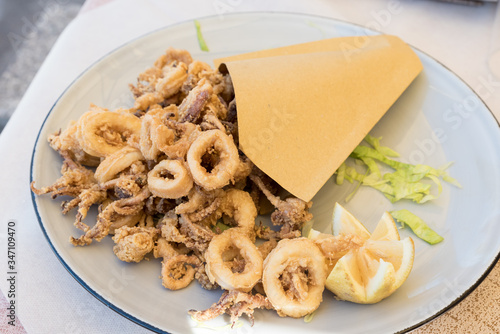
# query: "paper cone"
302 109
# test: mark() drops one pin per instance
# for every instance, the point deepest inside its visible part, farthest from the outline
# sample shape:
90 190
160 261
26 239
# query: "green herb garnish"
201 40
418 226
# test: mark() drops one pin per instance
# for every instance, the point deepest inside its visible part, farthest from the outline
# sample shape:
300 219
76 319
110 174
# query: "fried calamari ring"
172 55
162 186
238 204
153 132
65 141
172 80
117 162
219 271
177 272
103 133
177 146
225 168
294 277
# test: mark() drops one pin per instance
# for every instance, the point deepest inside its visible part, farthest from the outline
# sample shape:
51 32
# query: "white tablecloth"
49 299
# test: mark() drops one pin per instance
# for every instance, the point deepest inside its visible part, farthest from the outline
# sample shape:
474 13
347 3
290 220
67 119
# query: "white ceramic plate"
438 119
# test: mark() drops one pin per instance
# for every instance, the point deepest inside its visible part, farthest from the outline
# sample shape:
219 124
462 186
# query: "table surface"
467 43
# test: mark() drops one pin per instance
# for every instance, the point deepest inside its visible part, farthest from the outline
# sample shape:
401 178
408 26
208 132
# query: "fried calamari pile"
170 182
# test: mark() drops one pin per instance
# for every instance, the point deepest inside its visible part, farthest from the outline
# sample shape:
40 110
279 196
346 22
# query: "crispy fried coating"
170 179
133 243
234 303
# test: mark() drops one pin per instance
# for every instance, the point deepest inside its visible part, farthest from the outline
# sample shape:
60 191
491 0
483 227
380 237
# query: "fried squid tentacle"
78 182
178 271
291 213
234 303
126 206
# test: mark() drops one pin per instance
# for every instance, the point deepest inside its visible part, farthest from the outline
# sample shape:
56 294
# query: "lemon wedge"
345 223
386 229
374 270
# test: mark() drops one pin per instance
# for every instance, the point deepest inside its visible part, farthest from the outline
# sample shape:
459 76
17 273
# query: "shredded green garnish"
308 318
352 171
201 40
375 142
341 174
418 226
403 183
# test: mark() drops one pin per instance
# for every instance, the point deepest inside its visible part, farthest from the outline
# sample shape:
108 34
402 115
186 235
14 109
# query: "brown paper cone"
303 109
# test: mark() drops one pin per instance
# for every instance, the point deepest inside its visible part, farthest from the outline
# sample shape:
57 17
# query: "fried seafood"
106 218
291 213
178 271
152 133
214 142
78 182
239 207
335 247
235 304
125 220
164 67
198 199
173 77
243 278
74 179
172 55
184 135
133 243
170 181
116 162
198 236
170 228
266 247
65 142
294 277
190 109
101 133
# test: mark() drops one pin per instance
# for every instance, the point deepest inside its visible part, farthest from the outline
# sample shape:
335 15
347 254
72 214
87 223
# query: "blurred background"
28 29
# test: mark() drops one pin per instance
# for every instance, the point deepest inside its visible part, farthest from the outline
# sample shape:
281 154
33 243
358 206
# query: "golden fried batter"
133 243
170 179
